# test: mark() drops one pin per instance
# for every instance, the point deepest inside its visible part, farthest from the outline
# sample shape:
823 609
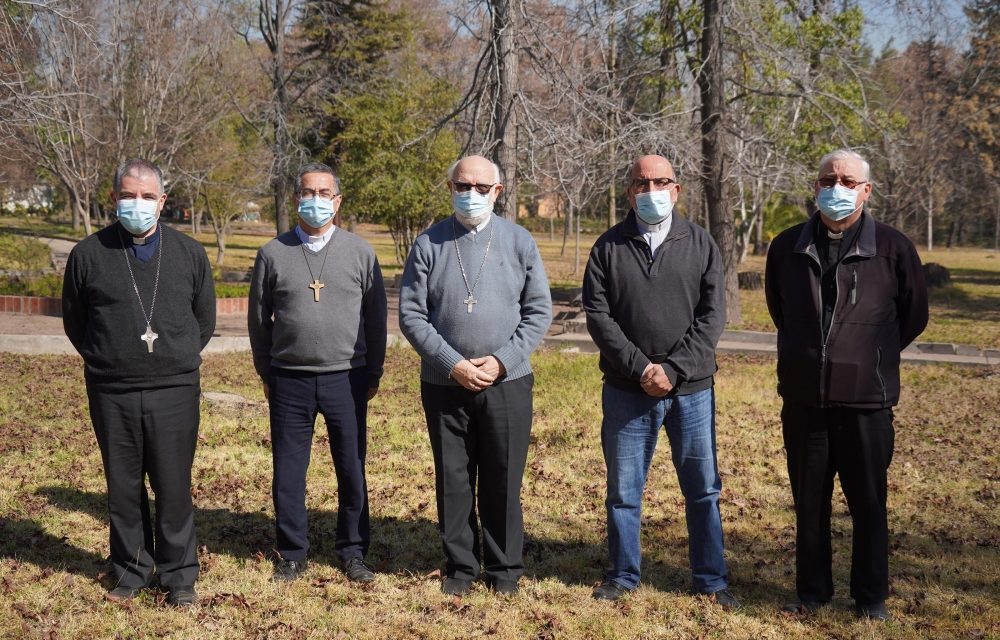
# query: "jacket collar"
864 247
679 227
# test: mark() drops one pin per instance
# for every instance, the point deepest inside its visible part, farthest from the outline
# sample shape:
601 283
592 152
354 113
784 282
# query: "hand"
490 365
267 392
371 392
654 381
470 376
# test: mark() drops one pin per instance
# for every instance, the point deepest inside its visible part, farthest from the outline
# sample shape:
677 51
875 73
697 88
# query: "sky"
903 21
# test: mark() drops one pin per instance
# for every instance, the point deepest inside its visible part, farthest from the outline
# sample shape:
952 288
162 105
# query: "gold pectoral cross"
316 286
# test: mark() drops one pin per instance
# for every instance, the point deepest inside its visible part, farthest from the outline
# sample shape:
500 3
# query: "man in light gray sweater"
317 322
475 303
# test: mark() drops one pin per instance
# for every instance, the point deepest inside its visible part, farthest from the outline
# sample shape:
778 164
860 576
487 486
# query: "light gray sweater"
514 305
346 329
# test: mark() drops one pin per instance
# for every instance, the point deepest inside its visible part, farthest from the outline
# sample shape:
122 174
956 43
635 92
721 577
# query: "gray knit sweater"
346 329
514 305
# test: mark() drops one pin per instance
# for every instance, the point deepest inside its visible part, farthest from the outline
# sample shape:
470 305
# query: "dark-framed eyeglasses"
481 188
829 181
309 194
653 184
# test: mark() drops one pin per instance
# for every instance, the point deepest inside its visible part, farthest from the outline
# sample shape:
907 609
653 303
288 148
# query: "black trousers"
480 434
857 445
149 432
296 397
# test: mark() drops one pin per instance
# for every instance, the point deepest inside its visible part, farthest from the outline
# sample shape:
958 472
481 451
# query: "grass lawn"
945 528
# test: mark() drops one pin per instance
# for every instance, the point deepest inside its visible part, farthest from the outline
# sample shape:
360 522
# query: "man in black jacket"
847 294
654 296
140 331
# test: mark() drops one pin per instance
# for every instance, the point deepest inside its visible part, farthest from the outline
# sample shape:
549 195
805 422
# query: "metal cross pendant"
469 302
316 286
148 338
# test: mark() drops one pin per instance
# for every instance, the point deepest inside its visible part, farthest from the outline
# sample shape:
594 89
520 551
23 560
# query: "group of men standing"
845 292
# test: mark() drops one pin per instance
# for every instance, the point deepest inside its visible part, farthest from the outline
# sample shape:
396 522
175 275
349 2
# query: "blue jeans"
629 433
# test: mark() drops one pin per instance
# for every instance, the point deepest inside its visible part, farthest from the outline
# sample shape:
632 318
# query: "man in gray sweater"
475 303
317 322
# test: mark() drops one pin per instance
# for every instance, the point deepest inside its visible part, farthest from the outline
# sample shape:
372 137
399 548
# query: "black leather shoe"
609 590
505 586
875 611
288 570
183 596
801 607
122 593
357 571
456 586
726 600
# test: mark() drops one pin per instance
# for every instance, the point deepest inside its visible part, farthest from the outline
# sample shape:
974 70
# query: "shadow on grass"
27 541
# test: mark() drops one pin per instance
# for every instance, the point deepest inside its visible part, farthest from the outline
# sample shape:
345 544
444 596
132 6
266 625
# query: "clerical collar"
834 236
662 225
314 243
477 227
150 238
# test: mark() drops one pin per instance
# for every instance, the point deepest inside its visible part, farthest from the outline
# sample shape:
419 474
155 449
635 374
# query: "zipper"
822 336
854 286
878 372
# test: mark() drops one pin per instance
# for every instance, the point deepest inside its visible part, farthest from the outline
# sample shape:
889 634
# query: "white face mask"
653 207
471 204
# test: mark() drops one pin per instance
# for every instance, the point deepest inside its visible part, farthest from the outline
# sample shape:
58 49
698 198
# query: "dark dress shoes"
801 607
456 586
122 593
875 611
357 571
183 596
504 586
609 590
288 570
726 600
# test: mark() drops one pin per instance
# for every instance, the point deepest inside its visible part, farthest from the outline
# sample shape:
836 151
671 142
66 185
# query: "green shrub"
47 286
21 253
231 290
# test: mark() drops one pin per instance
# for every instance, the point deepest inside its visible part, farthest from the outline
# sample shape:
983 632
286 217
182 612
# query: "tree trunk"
567 227
504 111
930 220
576 260
710 83
280 114
612 129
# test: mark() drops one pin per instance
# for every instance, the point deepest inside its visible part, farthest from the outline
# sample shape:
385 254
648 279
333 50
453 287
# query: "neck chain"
471 300
317 283
148 336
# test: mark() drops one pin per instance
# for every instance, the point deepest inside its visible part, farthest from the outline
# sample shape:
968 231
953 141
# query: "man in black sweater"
655 304
847 294
140 331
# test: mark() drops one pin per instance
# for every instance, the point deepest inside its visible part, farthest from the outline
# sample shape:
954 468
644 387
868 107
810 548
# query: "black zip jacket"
880 308
669 310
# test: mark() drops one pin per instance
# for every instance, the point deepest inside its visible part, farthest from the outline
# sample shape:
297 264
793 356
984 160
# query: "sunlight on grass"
53 532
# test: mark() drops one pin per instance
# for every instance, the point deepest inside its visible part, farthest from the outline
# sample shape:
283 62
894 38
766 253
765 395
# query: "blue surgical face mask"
837 202
471 203
316 211
137 215
653 207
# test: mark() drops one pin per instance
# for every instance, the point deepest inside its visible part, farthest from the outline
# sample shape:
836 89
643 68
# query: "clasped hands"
475 374
654 381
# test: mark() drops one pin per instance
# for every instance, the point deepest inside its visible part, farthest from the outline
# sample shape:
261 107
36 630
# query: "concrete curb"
732 342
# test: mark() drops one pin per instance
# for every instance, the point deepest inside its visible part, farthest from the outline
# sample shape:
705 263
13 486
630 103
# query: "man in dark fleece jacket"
140 331
654 297
847 294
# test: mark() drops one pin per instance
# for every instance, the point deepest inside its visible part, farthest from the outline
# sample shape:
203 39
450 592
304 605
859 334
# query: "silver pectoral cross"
469 302
316 286
148 338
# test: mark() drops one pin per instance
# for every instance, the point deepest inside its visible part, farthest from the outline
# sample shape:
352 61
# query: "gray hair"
136 167
845 154
454 165
315 167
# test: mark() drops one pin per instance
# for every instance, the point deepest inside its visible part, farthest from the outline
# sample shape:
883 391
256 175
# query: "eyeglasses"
830 181
309 194
481 188
654 184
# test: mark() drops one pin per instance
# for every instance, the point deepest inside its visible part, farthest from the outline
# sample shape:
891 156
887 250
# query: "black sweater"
103 320
667 310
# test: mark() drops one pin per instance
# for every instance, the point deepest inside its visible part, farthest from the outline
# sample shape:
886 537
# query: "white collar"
477 228
661 226
314 243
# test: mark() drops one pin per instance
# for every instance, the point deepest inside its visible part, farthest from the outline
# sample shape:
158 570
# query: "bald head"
652 173
474 170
